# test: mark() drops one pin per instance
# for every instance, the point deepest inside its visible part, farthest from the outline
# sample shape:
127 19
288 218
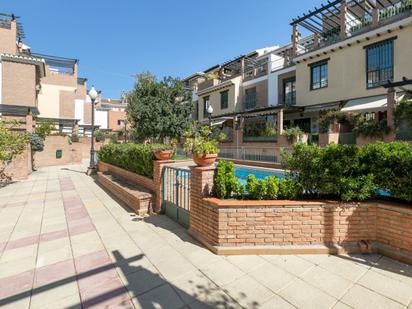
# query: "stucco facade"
347 68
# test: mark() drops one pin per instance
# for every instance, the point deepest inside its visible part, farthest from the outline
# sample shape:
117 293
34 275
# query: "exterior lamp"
210 112
93 94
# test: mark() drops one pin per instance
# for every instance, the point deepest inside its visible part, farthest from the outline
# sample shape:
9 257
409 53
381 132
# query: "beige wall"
347 71
8 40
235 100
49 99
19 84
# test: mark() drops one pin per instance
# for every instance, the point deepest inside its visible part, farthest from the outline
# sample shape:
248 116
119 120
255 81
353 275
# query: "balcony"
325 24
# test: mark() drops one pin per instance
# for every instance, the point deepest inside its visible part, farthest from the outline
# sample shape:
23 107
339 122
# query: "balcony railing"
395 10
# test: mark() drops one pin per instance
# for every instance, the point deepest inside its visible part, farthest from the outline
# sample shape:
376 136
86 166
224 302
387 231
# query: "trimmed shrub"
349 172
136 158
391 164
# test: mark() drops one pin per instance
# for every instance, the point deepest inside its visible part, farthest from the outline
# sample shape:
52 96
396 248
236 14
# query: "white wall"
101 119
79 110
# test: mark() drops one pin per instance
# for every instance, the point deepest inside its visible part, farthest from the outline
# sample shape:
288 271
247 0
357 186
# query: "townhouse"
350 50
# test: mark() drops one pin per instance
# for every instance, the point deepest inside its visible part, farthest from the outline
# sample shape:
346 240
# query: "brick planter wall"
153 184
285 227
71 153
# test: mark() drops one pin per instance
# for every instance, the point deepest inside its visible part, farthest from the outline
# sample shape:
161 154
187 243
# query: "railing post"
158 167
343 16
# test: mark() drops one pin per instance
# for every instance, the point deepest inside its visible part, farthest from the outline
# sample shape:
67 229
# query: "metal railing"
176 187
256 154
404 135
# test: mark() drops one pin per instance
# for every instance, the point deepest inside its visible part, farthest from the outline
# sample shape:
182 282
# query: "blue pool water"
242 172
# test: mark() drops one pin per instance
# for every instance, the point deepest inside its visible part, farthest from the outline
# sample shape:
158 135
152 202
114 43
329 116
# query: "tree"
159 109
12 143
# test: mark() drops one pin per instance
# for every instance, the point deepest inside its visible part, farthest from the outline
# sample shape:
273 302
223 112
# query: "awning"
367 105
322 107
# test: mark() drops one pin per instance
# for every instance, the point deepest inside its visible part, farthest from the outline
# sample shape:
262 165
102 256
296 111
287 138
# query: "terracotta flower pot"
162 155
205 159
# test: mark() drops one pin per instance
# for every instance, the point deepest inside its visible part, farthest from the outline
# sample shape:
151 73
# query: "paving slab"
65 242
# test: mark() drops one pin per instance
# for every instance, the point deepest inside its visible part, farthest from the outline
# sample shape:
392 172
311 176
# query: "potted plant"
203 146
163 153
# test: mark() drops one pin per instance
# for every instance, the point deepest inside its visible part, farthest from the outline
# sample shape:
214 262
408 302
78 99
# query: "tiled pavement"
65 243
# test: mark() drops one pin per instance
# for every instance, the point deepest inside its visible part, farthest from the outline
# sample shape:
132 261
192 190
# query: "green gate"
176 194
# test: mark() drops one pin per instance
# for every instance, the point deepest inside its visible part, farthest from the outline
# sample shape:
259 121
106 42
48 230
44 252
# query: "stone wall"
264 227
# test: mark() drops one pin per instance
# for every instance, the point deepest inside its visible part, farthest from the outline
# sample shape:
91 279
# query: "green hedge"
136 158
351 172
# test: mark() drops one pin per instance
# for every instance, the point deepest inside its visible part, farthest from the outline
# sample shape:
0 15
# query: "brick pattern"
133 196
71 153
296 225
394 227
157 181
288 223
19 84
146 182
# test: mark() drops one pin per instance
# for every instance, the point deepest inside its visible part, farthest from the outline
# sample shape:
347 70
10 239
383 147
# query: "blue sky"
115 39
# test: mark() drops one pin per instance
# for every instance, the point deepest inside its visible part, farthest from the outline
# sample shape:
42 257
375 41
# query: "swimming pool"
242 172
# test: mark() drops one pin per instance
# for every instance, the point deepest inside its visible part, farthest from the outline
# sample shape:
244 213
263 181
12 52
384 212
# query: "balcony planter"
205 159
162 154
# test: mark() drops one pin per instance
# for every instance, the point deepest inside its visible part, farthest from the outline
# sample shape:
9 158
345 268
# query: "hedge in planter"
330 171
391 164
136 158
350 172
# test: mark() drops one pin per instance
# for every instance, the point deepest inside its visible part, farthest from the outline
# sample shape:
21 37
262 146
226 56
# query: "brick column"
375 15
390 112
295 39
203 225
343 14
280 122
158 181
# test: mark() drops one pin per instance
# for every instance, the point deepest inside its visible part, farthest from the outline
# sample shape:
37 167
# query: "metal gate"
176 194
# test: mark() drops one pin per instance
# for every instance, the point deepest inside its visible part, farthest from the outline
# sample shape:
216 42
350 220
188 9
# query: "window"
260 129
319 75
289 91
379 58
205 105
224 99
304 124
250 98
120 122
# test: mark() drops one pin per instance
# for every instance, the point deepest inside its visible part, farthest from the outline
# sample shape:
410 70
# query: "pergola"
61 64
336 19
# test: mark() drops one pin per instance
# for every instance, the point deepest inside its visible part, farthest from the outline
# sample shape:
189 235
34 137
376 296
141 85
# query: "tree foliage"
12 143
159 109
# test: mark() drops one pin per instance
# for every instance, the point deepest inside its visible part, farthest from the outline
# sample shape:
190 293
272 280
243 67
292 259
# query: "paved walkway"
65 243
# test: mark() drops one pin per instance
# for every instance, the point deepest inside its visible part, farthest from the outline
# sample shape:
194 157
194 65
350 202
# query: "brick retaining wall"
241 227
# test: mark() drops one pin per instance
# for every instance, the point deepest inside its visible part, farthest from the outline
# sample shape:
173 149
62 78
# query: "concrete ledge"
135 197
347 248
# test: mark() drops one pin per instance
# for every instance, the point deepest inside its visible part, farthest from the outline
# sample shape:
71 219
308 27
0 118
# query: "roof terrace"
341 19
59 65
7 19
